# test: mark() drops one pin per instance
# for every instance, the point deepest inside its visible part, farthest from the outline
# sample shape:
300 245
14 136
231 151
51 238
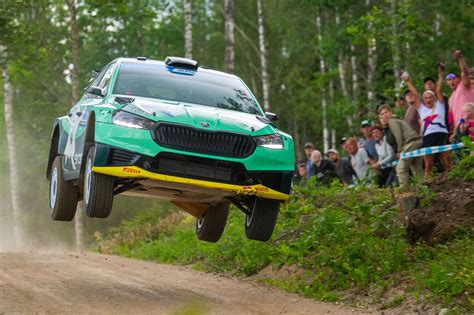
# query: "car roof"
162 63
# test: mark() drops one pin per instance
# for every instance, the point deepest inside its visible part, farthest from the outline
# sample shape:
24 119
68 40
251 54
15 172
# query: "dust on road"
90 283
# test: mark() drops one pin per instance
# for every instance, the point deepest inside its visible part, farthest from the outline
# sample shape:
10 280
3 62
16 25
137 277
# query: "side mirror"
271 116
94 74
95 90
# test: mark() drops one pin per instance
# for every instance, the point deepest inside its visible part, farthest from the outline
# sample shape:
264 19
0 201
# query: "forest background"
327 65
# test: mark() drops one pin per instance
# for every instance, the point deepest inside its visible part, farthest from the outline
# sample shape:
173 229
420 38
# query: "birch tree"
72 6
229 36
188 30
12 156
395 49
322 70
263 57
371 59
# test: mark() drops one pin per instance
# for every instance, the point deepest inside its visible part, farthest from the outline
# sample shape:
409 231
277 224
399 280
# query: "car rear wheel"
63 195
211 226
261 219
98 190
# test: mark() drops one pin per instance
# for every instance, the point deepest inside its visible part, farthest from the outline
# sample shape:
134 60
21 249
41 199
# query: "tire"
63 195
260 223
98 190
212 224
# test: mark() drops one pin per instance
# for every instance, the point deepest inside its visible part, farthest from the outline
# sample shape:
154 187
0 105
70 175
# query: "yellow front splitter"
136 172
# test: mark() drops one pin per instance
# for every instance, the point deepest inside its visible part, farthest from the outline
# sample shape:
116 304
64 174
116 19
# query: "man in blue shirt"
369 142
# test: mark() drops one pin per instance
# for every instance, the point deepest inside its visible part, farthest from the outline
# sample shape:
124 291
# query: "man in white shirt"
386 155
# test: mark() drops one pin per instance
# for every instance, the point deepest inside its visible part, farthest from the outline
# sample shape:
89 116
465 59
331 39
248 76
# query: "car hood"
199 116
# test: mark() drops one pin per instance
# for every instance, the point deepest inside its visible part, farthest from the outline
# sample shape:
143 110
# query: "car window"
104 83
198 87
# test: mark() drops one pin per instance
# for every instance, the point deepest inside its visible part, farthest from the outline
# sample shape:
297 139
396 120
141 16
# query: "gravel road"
58 283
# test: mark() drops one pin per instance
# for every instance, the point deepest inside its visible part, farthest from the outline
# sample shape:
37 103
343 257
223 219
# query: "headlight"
133 121
274 141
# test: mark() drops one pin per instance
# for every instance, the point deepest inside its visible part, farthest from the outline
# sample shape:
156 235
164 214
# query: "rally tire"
261 220
98 190
210 227
63 195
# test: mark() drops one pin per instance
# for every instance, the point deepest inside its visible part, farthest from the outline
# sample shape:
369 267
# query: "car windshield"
180 85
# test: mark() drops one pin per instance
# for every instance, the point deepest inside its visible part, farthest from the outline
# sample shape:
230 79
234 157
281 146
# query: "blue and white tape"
431 150
425 151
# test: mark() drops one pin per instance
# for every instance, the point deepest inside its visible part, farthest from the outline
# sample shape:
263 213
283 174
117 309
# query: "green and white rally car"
171 129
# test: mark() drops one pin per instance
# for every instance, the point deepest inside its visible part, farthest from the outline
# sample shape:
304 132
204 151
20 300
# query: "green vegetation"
329 242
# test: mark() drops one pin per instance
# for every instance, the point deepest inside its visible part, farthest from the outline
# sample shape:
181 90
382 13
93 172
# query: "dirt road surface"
52 283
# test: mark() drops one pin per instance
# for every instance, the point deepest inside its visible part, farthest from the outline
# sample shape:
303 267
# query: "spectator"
463 92
411 115
300 174
343 167
430 84
359 159
369 142
432 113
308 149
386 156
400 102
466 127
323 169
471 76
406 140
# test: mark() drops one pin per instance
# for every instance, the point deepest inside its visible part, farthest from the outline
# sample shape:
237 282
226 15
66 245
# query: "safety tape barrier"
425 151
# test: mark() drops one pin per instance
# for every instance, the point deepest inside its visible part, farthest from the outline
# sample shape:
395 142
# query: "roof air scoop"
179 62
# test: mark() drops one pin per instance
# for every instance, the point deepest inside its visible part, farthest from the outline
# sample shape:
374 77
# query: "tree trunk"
396 52
355 78
188 30
263 57
229 36
371 60
14 183
322 69
79 220
74 50
340 64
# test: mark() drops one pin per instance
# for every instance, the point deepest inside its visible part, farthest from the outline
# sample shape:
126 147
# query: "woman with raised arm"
432 114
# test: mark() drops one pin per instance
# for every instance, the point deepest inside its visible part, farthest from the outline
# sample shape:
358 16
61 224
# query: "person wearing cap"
323 169
386 156
308 149
343 167
402 137
430 84
432 114
463 92
369 142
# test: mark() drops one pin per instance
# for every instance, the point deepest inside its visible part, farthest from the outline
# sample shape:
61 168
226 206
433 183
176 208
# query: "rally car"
174 130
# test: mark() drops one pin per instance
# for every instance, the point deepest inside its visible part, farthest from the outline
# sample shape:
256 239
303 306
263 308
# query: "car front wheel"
63 195
98 190
210 227
261 219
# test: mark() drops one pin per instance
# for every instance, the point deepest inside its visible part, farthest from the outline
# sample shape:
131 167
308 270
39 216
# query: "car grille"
207 142
195 167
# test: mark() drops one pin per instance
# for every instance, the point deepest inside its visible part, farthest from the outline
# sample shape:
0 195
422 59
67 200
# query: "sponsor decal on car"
131 170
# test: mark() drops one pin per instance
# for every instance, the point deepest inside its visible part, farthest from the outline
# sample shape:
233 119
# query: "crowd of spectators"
426 120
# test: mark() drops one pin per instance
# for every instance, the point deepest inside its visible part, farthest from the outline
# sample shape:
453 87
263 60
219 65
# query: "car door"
77 119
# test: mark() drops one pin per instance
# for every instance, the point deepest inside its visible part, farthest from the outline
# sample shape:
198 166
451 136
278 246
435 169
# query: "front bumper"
193 170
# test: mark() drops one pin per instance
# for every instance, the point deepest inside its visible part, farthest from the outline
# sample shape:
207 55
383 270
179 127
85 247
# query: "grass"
333 241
